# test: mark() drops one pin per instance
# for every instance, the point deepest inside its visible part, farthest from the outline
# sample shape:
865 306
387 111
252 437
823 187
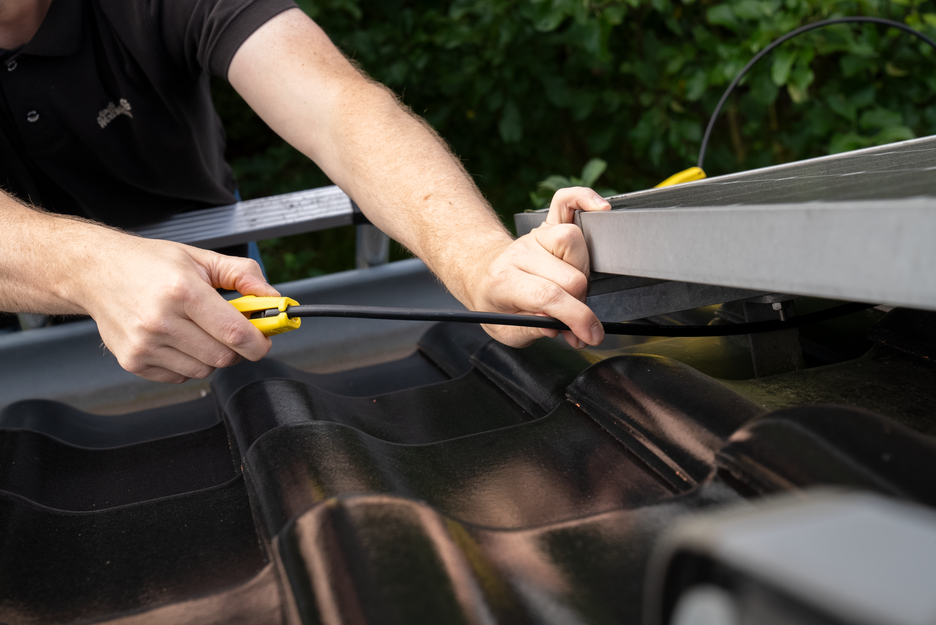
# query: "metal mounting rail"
858 226
264 218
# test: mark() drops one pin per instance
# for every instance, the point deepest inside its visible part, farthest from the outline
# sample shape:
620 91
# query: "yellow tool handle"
687 175
270 326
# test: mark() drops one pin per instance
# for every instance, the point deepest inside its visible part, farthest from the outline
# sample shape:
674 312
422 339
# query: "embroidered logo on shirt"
111 112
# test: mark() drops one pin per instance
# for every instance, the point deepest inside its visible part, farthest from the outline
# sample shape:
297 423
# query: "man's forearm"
154 302
394 166
410 185
44 258
417 192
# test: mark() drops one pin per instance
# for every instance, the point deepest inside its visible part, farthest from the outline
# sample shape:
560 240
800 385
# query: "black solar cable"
786 37
532 321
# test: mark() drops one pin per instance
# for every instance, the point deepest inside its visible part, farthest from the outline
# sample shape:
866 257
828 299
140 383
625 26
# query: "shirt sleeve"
203 35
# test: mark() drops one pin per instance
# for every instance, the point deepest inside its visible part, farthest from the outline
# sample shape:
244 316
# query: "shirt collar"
61 31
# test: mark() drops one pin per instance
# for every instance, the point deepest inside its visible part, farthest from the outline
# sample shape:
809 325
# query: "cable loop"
784 38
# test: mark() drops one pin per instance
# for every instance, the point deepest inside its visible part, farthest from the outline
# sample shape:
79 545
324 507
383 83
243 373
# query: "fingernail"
597 334
599 201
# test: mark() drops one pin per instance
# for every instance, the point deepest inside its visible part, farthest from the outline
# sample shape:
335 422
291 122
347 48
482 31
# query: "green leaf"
549 19
782 64
582 104
558 91
843 107
853 65
554 183
592 171
511 124
892 134
656 151
615 14
880 118
893 70
696 86
864 97
751 9
800 79
848 142
802 76
797 94
722 15
763 89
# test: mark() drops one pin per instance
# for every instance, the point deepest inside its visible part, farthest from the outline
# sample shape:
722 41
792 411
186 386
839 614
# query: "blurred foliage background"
528 89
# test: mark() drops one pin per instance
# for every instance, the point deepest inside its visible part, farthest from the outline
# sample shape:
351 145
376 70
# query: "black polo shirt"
106 112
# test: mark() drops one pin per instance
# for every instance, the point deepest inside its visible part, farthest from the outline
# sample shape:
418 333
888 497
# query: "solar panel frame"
857 226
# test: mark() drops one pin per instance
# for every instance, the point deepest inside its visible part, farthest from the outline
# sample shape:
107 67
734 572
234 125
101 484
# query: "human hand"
158 312
544 273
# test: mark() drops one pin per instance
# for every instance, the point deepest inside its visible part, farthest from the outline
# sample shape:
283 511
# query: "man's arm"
410 185
154 301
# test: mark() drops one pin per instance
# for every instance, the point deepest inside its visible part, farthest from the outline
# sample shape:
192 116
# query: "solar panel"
855 226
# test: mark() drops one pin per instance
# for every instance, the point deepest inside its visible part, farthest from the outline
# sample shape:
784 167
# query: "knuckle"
156 374
202 372
134 365
235 334
225 359
510 336
577 284
177 290
137 359
565 193
564 231
567 234
153 325
498 278
251 266
548 295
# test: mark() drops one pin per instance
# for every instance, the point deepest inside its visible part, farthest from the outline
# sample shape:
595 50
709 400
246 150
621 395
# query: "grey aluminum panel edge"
879 251
898 170
253 220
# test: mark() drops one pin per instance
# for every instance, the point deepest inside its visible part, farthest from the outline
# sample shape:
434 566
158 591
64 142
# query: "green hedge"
525 89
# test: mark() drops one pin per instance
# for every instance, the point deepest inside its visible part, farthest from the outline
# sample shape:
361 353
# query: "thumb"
237 274
568 200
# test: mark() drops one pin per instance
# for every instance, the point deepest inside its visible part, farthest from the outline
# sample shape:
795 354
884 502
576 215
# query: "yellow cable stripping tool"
270 326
